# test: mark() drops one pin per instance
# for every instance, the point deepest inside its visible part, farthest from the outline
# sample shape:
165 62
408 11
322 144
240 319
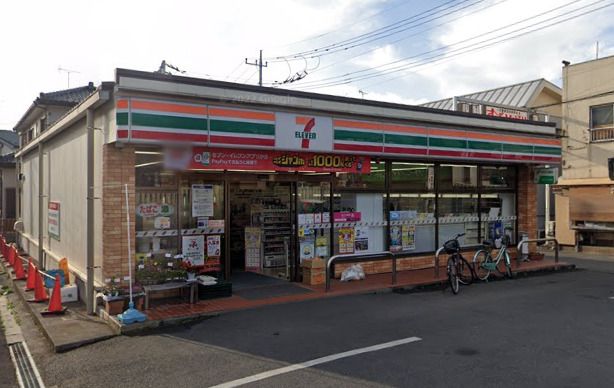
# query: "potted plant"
111 295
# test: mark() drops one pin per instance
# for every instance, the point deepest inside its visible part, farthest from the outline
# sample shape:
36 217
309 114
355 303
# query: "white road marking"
611 297
317 361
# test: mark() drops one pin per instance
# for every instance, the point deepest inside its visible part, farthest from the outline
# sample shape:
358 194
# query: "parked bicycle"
459 269
485 264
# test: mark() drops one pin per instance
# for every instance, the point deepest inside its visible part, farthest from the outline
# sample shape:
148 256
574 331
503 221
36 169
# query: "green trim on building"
367 137
393 139
162 121
242 127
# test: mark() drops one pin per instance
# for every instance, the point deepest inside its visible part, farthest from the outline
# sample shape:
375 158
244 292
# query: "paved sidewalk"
170 312
65 332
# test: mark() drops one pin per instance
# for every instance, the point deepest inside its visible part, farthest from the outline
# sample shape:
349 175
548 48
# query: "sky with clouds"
408 51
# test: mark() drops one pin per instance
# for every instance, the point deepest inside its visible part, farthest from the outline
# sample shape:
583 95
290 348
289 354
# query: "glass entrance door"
313 213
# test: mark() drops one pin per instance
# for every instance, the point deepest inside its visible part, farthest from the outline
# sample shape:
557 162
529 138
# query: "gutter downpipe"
89 291
41 200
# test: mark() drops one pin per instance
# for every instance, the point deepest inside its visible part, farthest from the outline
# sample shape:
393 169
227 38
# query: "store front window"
359 220
313 220
458 213
457 178
179 220
412 207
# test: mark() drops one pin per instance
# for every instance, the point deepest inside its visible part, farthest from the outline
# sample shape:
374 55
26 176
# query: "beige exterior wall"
583 159
65 181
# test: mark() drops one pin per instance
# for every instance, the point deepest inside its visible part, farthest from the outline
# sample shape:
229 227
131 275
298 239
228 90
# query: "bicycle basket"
451 246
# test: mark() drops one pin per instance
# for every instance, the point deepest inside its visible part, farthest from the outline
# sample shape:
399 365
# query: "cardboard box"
313 277
69 293
313 263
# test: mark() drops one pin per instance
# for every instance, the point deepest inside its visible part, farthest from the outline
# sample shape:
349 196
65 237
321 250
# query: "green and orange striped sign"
158 121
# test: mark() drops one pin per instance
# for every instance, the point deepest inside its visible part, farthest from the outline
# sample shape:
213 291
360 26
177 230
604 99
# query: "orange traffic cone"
55 303
40 294
20 274
11 257
32 271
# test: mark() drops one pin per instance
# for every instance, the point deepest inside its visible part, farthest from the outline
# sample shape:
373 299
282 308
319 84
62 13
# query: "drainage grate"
27 374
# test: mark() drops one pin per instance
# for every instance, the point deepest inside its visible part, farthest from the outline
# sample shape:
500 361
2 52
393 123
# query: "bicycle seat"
488 243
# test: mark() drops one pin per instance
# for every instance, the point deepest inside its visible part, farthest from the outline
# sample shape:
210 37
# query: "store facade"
255 181
229 178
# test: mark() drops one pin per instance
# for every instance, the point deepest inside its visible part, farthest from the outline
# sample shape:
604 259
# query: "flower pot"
114 306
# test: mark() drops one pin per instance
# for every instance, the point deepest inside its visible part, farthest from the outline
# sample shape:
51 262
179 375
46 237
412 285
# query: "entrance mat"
247 280
271 291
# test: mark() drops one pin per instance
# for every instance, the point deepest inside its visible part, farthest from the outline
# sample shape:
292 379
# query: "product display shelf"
276 228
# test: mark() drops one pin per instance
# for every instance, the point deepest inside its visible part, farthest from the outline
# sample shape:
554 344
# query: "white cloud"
211 38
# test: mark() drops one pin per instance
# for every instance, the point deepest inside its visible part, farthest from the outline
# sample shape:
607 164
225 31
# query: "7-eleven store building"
239 179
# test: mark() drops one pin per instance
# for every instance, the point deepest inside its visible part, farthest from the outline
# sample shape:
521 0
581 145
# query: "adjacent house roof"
66 97
9 137
518 95
69 97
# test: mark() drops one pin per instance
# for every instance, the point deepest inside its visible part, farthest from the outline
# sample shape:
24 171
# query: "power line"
408 36
233 70
379 31
343 27
258 62
452 45
331 81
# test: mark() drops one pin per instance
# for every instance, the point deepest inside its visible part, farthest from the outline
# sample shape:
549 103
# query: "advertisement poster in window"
252 248
361 241
346 240
202 201
395 238
321 247
214 246
193 250
307 249
409 237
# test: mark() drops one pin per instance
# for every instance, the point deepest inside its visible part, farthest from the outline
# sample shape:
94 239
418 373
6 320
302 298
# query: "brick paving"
405 279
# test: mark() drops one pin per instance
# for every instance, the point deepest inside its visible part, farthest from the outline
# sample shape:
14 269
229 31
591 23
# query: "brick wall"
410 263
527 203
118 170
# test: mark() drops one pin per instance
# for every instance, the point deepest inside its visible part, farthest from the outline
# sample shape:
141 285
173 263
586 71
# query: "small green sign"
546 176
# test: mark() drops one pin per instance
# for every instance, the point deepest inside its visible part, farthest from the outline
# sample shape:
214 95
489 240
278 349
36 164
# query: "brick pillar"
527 203
118 170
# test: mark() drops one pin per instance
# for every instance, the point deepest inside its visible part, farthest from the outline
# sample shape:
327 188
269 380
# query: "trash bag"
354 272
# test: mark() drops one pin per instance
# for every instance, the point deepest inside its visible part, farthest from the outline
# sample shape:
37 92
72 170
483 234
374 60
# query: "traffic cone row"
11 256
20 274
55 303
40 293
32 272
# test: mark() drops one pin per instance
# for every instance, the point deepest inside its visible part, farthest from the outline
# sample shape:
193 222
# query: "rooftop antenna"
362 93
597 50
68 71
164 65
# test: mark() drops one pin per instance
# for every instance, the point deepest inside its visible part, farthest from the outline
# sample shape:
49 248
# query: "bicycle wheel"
503 268
465 271
480 260
453 276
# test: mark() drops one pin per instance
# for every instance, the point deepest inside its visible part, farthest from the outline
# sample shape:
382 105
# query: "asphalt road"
551 330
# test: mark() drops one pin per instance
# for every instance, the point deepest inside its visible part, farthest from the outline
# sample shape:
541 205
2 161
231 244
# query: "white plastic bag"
355 272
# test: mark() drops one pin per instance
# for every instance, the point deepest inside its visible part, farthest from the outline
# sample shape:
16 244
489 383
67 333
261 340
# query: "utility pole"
258 62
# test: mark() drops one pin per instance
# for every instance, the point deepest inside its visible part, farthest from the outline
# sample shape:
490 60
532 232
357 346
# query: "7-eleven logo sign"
302 132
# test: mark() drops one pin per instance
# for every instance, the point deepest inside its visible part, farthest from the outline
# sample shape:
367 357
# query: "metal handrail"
438 252
362 257
536 240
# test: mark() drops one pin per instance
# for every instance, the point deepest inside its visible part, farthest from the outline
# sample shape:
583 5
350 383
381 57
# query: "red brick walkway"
371 283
